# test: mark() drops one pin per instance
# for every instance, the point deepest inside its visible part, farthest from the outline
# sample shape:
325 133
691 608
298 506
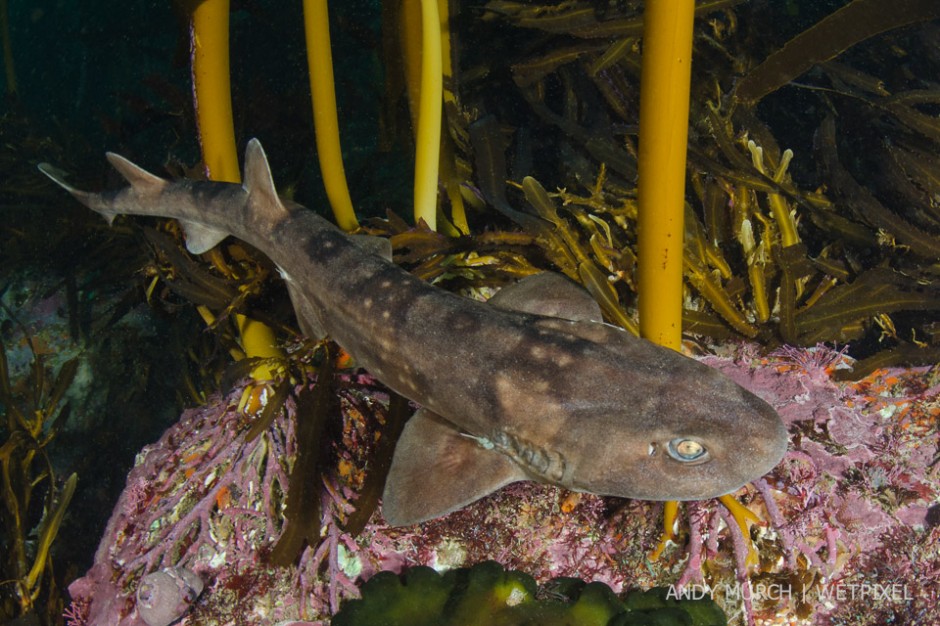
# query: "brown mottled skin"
507 393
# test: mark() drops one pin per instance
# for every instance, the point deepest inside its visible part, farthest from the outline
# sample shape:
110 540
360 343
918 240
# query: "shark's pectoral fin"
201 238
379 246
437 469
307 317
550 294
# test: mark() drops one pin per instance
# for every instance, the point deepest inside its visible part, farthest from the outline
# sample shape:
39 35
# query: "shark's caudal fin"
93 201
437 470
148 194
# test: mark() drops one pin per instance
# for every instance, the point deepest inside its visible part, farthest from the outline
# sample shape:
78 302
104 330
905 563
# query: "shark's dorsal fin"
199 237
262 196
550 294
436 470
140 179
258 182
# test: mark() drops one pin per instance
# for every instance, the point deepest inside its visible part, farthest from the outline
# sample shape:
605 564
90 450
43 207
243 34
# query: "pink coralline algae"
855 487
206 499
849 535
200 498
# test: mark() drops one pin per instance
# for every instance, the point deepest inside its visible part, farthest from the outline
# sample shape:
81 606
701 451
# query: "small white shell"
163 597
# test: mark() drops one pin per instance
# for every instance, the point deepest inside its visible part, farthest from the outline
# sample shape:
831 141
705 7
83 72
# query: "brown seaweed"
853 23
33 414
315 405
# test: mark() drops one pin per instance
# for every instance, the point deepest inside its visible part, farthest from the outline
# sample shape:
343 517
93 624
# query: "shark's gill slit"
544 463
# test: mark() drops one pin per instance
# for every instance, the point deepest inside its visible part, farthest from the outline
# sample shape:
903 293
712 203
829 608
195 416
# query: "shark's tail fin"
144 184
149 194
93 201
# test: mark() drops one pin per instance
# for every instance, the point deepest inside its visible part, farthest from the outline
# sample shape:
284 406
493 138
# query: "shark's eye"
687 450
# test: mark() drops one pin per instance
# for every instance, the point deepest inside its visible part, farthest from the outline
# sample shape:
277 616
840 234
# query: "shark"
530 385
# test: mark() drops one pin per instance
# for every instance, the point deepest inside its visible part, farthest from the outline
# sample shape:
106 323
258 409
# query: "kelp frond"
33 413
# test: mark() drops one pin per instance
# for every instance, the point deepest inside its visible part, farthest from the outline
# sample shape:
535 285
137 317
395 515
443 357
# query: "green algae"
488 595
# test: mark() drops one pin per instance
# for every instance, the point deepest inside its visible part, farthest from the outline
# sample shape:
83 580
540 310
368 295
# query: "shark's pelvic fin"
307 317
201 238
263 201
550 294
436 470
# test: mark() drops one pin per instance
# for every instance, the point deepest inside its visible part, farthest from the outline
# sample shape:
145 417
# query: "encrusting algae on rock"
849 506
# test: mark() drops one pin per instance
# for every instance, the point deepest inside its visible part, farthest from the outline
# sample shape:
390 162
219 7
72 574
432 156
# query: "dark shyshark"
531 385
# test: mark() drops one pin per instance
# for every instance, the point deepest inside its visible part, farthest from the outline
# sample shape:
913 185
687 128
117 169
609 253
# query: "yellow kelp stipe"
212 90
664 124
670 514
664 128
325 119
428 139
213 102
742 515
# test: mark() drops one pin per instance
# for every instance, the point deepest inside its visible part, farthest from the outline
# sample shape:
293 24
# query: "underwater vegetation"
34 498
487 594
811 218
795 244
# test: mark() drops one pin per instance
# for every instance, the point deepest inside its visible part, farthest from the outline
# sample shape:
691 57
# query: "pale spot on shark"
541 386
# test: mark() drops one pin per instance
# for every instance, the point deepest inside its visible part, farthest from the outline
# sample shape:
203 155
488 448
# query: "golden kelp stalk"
213 105
766 258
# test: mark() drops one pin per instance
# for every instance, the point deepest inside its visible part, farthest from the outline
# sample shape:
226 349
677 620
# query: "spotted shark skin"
531 386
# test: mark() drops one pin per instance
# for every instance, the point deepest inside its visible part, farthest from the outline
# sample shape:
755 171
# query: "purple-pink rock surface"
851 534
